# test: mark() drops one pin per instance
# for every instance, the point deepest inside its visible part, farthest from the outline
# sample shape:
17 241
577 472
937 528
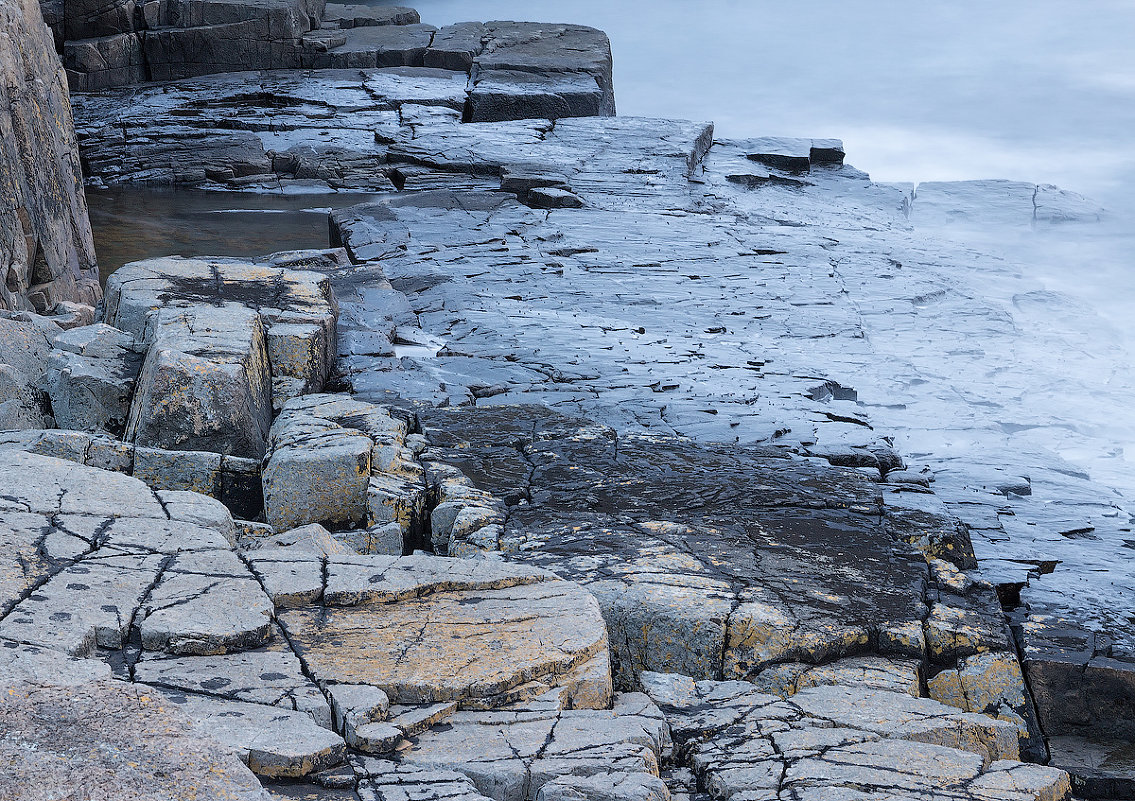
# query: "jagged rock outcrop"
99 569
502 70
344 463
225 341
47 255
27 342
573 262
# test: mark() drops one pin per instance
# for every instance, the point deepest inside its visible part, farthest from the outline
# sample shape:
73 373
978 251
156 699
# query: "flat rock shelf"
568 471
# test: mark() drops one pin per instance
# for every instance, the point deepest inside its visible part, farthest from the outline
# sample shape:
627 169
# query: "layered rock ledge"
560 474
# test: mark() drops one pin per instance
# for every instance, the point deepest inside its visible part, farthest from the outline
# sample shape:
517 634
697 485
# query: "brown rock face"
46 251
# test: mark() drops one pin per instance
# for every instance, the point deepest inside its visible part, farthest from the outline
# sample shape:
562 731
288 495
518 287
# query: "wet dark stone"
809 539
242 494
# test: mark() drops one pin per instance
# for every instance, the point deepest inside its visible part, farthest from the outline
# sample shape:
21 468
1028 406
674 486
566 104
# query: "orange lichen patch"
456 645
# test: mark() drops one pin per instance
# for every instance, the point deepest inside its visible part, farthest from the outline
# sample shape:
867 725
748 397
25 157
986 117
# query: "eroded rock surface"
143 747
225 341
46 251
426 630
744 519
842 742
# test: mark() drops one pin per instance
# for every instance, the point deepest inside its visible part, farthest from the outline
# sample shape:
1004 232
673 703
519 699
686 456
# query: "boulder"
115 59
90 378
343 463
275 743
208 392
271 675
513 755
26 339
497 95
338 15
225 340
367 47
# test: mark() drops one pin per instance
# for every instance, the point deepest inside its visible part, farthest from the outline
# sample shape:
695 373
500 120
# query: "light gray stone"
273 742
20 662
207 381
290 577
90 378
194 614
424 633
87 604
146 748
271 676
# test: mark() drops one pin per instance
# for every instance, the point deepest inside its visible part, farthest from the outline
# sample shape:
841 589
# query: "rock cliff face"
46 251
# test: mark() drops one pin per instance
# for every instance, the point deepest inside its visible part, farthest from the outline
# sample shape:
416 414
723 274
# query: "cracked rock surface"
629 384
842 742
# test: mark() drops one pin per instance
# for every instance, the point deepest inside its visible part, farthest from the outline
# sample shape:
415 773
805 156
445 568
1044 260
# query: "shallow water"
132 223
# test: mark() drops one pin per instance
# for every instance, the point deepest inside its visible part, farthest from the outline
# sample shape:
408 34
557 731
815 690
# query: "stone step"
367 46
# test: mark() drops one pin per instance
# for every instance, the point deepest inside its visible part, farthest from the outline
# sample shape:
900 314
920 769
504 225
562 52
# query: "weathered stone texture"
46 252
344 463
90 379
844 742
212 330
428 630
26 342
111 740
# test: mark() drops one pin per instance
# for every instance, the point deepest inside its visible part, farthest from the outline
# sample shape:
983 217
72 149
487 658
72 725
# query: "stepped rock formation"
47 255
544 482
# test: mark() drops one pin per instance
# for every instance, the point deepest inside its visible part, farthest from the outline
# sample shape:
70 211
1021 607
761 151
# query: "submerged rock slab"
118 740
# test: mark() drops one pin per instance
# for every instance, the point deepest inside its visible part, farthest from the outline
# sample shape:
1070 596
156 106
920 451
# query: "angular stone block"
318 477
105 62
191 402
447 638
498 95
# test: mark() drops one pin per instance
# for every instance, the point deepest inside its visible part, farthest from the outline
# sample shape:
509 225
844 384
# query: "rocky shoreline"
548 479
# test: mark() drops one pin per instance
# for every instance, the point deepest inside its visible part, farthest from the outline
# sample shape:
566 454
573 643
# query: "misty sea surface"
1040 91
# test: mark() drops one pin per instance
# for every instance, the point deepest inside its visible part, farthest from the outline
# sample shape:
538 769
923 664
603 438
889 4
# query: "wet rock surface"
634 388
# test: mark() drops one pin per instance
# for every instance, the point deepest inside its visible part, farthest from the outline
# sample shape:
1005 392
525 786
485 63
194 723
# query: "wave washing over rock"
567 470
